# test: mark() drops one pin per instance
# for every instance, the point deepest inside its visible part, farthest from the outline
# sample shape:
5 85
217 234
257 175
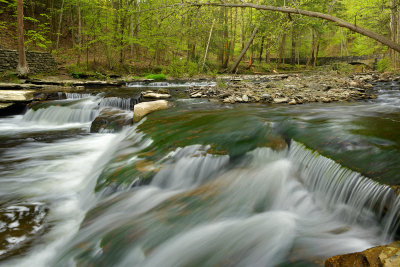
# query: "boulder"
16 96
142 109
156 95
7 109
196 95
267 98
281 100
386 256
110 120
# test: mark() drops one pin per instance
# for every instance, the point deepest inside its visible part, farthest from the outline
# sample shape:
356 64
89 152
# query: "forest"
186 38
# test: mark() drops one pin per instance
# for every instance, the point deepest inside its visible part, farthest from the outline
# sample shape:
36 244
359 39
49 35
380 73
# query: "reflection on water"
201 184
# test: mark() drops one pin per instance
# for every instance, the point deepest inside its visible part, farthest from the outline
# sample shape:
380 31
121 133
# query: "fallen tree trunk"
340 22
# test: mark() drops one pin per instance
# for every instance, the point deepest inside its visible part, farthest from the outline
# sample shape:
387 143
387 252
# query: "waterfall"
76 95
337 186
78 108
82 111
121 103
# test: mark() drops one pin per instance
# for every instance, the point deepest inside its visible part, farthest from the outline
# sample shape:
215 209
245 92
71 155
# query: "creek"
200 184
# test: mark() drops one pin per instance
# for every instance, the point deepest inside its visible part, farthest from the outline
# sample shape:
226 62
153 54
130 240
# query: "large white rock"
142 109
156 95
281 100
16 95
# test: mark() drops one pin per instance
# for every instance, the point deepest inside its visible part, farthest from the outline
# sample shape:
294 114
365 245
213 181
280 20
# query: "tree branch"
339 22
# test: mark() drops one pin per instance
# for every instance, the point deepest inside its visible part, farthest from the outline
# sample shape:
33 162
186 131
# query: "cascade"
337 186
80 111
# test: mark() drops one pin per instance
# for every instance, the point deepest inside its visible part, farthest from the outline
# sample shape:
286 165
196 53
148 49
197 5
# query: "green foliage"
79 72
342 67
157 77
181 67
221 84
40 36
9 76
383 65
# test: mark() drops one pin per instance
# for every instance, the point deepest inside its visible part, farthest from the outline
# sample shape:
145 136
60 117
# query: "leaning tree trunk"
22 68
340 22
246 47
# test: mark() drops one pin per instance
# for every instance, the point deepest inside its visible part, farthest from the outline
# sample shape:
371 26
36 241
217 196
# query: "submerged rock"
142 109
385 256
110 120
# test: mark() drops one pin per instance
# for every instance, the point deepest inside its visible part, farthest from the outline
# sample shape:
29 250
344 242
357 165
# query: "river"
200 184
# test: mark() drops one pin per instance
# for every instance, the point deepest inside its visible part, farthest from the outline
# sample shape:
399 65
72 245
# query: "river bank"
292 89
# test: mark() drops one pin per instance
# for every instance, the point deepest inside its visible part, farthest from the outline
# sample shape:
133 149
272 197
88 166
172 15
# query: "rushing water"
201 184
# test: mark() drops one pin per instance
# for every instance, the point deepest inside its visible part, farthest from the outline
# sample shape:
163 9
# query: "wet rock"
267 98
156 95
238 99
224 95
196 95
245 98
7 96
142 109
110 120
5 105
292 102
386 256
21 224
326 100
281 100
163 91
354 84
7 109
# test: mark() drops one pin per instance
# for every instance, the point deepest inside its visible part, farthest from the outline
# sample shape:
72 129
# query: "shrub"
383 65
179 68
157 77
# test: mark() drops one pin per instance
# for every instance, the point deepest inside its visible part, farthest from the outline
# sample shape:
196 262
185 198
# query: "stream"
199 184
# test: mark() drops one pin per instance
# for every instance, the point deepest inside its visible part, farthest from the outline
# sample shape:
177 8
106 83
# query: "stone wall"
38 62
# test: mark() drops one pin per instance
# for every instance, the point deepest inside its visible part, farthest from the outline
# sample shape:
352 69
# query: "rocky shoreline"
291 89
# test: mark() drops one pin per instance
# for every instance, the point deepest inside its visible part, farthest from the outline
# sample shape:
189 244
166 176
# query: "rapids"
201 184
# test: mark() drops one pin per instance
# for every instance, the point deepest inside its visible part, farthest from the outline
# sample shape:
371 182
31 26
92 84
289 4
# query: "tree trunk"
316 51
293 59
225 57
282 49
208 44
340 22
268 52
22 68
236 64
79 33
312 48
59 24
261 48
234 36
